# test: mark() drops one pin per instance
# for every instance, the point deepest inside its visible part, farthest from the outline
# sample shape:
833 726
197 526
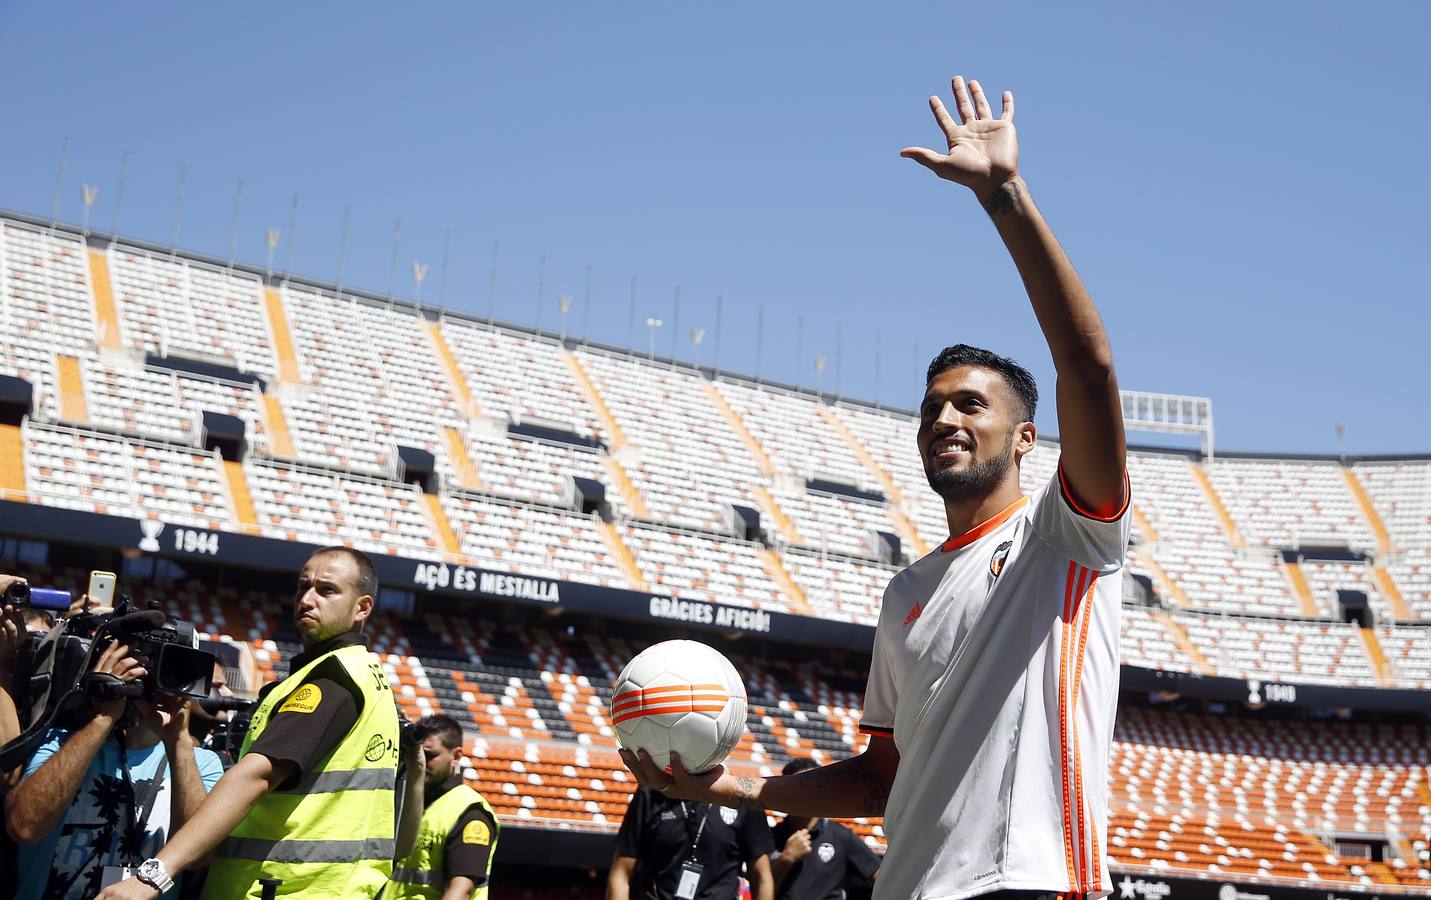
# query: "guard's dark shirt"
658 832
304 732
835 853
468 845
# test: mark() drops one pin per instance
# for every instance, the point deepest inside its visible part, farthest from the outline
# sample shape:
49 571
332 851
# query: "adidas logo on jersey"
913 614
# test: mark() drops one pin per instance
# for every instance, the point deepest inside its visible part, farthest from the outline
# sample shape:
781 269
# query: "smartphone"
101 589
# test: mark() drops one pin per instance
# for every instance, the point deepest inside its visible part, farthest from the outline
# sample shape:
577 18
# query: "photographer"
202 723
457 836
108 794
310 800
14 625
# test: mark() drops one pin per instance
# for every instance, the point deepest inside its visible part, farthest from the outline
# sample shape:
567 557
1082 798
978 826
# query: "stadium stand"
1281 503
1213 794
124 476
1242 558
169 305
684 458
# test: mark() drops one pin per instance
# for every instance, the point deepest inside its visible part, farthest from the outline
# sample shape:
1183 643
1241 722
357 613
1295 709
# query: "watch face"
152 871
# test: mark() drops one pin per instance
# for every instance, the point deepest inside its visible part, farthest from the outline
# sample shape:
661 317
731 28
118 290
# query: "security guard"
310 800
457 837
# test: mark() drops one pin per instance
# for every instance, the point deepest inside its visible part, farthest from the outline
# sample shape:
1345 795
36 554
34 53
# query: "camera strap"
140 807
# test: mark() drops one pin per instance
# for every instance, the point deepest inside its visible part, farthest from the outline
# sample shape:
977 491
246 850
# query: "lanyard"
699 828
139 808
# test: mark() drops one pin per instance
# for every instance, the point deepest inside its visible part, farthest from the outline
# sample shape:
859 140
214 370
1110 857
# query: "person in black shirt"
682 850
817 855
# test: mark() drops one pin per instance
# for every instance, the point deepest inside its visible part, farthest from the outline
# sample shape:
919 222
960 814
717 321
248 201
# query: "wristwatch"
153 873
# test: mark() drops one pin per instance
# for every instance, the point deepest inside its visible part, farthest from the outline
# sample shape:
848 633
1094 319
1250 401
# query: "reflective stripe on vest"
419 874
416 876
295 851
331 834
346 780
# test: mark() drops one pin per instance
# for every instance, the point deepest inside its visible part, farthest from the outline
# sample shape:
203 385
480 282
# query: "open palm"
984 151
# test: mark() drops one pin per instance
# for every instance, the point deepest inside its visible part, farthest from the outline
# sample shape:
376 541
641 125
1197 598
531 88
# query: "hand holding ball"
680 696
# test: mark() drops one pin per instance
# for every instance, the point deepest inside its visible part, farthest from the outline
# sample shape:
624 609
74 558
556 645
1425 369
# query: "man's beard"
978 480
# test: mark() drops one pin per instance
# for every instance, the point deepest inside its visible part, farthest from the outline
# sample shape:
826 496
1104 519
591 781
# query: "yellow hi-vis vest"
419 874
331 834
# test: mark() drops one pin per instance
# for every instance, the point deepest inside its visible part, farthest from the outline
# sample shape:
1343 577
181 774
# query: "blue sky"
1243 186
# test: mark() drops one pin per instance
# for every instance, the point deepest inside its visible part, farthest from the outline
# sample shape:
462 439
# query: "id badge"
114 875
690 877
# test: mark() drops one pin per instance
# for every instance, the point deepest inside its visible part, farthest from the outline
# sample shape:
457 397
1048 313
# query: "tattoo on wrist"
746 788
1004 199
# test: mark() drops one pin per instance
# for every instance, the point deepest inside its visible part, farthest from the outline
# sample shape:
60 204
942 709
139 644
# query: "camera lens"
18 592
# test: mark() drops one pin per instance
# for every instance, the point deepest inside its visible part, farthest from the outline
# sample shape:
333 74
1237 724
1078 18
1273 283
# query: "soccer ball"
681 696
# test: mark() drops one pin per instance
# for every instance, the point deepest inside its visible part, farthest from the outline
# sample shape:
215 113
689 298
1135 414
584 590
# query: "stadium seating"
1235 796
169 305
686 460
705 567
537 541
319 506
515 377
45 305
1280 649
1401 492
534 470
123 476
1291 504
1209 796
347 380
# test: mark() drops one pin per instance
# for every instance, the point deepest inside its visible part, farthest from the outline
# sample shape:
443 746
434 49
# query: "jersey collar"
985 527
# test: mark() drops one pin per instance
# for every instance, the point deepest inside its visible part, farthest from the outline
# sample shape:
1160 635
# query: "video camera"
21 595
226 736
56 684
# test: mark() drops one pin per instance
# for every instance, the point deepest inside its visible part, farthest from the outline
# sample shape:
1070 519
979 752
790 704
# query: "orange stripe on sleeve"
1079 508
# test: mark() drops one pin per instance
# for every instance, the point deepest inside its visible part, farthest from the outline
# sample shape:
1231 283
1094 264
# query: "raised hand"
983 152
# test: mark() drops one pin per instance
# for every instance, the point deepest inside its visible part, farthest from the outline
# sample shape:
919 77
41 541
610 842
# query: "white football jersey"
995 671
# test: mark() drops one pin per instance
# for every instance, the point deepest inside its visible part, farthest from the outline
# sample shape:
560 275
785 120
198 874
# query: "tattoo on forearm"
747 788
874 800
1003 200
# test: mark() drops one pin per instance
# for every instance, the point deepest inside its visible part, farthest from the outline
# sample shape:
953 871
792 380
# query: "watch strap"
153 873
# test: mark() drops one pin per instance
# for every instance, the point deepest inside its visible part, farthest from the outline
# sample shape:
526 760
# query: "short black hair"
799 764
444 726
367 575
1015 376
35 616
